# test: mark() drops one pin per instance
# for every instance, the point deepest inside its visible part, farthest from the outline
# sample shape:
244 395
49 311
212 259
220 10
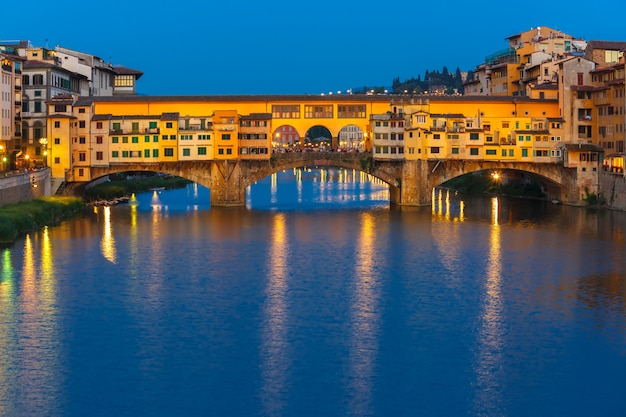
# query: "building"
10 107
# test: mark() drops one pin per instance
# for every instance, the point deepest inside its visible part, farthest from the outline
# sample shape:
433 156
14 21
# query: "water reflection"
275 349
365 319
490 338
107 244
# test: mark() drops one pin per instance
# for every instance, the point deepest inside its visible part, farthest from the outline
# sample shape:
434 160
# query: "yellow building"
102 132
483 128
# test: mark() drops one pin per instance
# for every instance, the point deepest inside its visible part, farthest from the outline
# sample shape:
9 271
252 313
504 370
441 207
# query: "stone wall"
25 186
613 189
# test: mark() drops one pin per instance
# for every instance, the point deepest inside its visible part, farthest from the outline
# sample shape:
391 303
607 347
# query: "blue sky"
193 47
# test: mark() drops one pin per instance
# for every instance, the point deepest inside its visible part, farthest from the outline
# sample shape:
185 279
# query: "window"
220 151
155 138
115 154
115 139
146 153
473 136
98 125
146 138
81 140
155 153
57 141
169 125
356 111
81 172
117 127
434 149
225 136
524 152
57 124
172 137
285 111
99 156
168 152
491 152
473 151
82 157
124 139
229 151
420 118
186 152
81 110
99 140
511 152
60 108
124 81
455 151
57 160
37 106
317 112
37 79
125 154
135 139
201 150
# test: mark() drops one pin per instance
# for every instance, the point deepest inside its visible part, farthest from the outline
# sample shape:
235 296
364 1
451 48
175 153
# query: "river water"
317 299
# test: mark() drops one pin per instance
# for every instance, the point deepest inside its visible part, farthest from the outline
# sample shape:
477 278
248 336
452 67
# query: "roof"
448 116
277 98
127 71
97 117
583 147
610 45
257 116
170 116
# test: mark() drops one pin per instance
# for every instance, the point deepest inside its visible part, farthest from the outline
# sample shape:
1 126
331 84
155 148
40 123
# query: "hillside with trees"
433 82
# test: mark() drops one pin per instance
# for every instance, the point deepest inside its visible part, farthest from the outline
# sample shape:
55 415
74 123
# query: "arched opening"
318 138
351 139
285 139
506 182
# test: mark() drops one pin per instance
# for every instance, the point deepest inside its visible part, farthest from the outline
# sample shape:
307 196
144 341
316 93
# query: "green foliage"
593 199
433 80
367 164
121 187
18 219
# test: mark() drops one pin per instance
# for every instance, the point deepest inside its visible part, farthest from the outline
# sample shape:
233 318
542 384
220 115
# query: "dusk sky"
192 47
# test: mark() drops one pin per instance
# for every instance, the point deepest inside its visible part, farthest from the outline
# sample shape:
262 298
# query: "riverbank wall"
613 189
24 186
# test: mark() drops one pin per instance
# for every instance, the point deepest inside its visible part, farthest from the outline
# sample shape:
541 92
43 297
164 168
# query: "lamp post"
4 158
27 161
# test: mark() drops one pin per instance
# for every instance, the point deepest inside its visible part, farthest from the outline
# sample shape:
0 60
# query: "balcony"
194 128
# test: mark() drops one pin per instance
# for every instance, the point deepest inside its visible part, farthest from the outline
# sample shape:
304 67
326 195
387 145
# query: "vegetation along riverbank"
126 184
18 219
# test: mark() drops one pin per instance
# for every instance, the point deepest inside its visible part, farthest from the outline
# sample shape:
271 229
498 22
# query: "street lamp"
27 161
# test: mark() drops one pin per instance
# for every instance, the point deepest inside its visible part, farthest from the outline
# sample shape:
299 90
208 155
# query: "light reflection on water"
316 299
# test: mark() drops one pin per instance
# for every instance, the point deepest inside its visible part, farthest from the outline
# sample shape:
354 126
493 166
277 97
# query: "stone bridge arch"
559 182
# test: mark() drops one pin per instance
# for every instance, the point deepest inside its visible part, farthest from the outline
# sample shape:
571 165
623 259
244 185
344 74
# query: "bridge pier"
227 186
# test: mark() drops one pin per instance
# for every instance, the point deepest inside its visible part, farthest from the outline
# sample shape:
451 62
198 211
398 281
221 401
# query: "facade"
10 107
44 75
108 131
388 136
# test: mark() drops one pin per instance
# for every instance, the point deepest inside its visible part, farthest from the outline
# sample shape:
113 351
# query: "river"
317 299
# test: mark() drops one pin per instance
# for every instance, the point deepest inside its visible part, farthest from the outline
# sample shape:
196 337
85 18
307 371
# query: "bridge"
410 182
